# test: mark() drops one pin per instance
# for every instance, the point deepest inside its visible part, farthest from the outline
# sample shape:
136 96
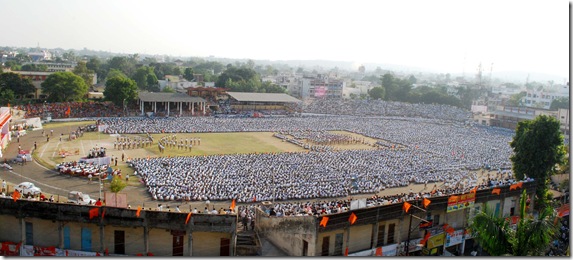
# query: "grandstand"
263 103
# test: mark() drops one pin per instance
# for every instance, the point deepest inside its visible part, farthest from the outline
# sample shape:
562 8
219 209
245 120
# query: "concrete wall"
332 242
10 229
76 236
360 238
161 242
134 241
208 243
288 233
45 232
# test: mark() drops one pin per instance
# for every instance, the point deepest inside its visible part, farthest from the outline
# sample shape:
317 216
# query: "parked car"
28 189
23 155
77 197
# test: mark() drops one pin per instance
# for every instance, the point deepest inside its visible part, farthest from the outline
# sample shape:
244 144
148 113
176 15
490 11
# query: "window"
436 220
338 244
381 234
391 229
512 209
325 245
29 233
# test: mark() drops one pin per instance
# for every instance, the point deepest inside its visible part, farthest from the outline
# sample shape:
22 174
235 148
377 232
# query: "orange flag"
352 218
513 187
379 251
496 191
426 237
406 206
233 205
474 190
346 252
138 211
519 184
69 111
188 217
426 202
94 213
323 221
16 195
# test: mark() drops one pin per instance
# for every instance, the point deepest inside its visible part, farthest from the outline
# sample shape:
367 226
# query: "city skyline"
450 36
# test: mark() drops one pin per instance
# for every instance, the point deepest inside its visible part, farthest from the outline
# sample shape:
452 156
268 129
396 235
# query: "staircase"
247 242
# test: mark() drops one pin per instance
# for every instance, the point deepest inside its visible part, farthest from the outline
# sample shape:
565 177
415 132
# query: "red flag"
323 221
138 211
233 205
406 206
426 202
379 251
188 217
94 213
16 195
352 218
346 252
496 191
254 198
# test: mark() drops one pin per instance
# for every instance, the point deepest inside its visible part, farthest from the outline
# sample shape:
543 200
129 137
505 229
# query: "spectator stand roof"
262 97
168 97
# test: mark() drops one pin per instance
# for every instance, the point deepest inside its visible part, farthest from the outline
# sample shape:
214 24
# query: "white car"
79 198
28 189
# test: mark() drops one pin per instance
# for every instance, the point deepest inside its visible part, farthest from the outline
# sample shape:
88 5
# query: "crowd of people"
294 175
134 142
76 109
385 108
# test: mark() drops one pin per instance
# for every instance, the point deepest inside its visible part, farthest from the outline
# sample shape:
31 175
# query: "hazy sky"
532 36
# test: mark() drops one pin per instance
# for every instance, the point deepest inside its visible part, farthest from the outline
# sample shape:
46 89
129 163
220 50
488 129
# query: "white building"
542 99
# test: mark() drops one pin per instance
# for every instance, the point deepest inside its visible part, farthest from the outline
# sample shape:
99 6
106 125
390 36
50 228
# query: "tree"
145 79
531 236
86 74
69 56
34 67
117 184
168 89
115 73
123 64
558 103
19 87
94 64
188 74
64 87
120 88
537 147
377 92
237 74
515 99
22 57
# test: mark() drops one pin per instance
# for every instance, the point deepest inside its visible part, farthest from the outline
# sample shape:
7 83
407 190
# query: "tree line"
125 76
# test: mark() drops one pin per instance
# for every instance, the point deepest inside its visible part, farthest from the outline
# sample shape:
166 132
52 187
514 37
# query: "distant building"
37 78
40 55
55 66
542 99
320 86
